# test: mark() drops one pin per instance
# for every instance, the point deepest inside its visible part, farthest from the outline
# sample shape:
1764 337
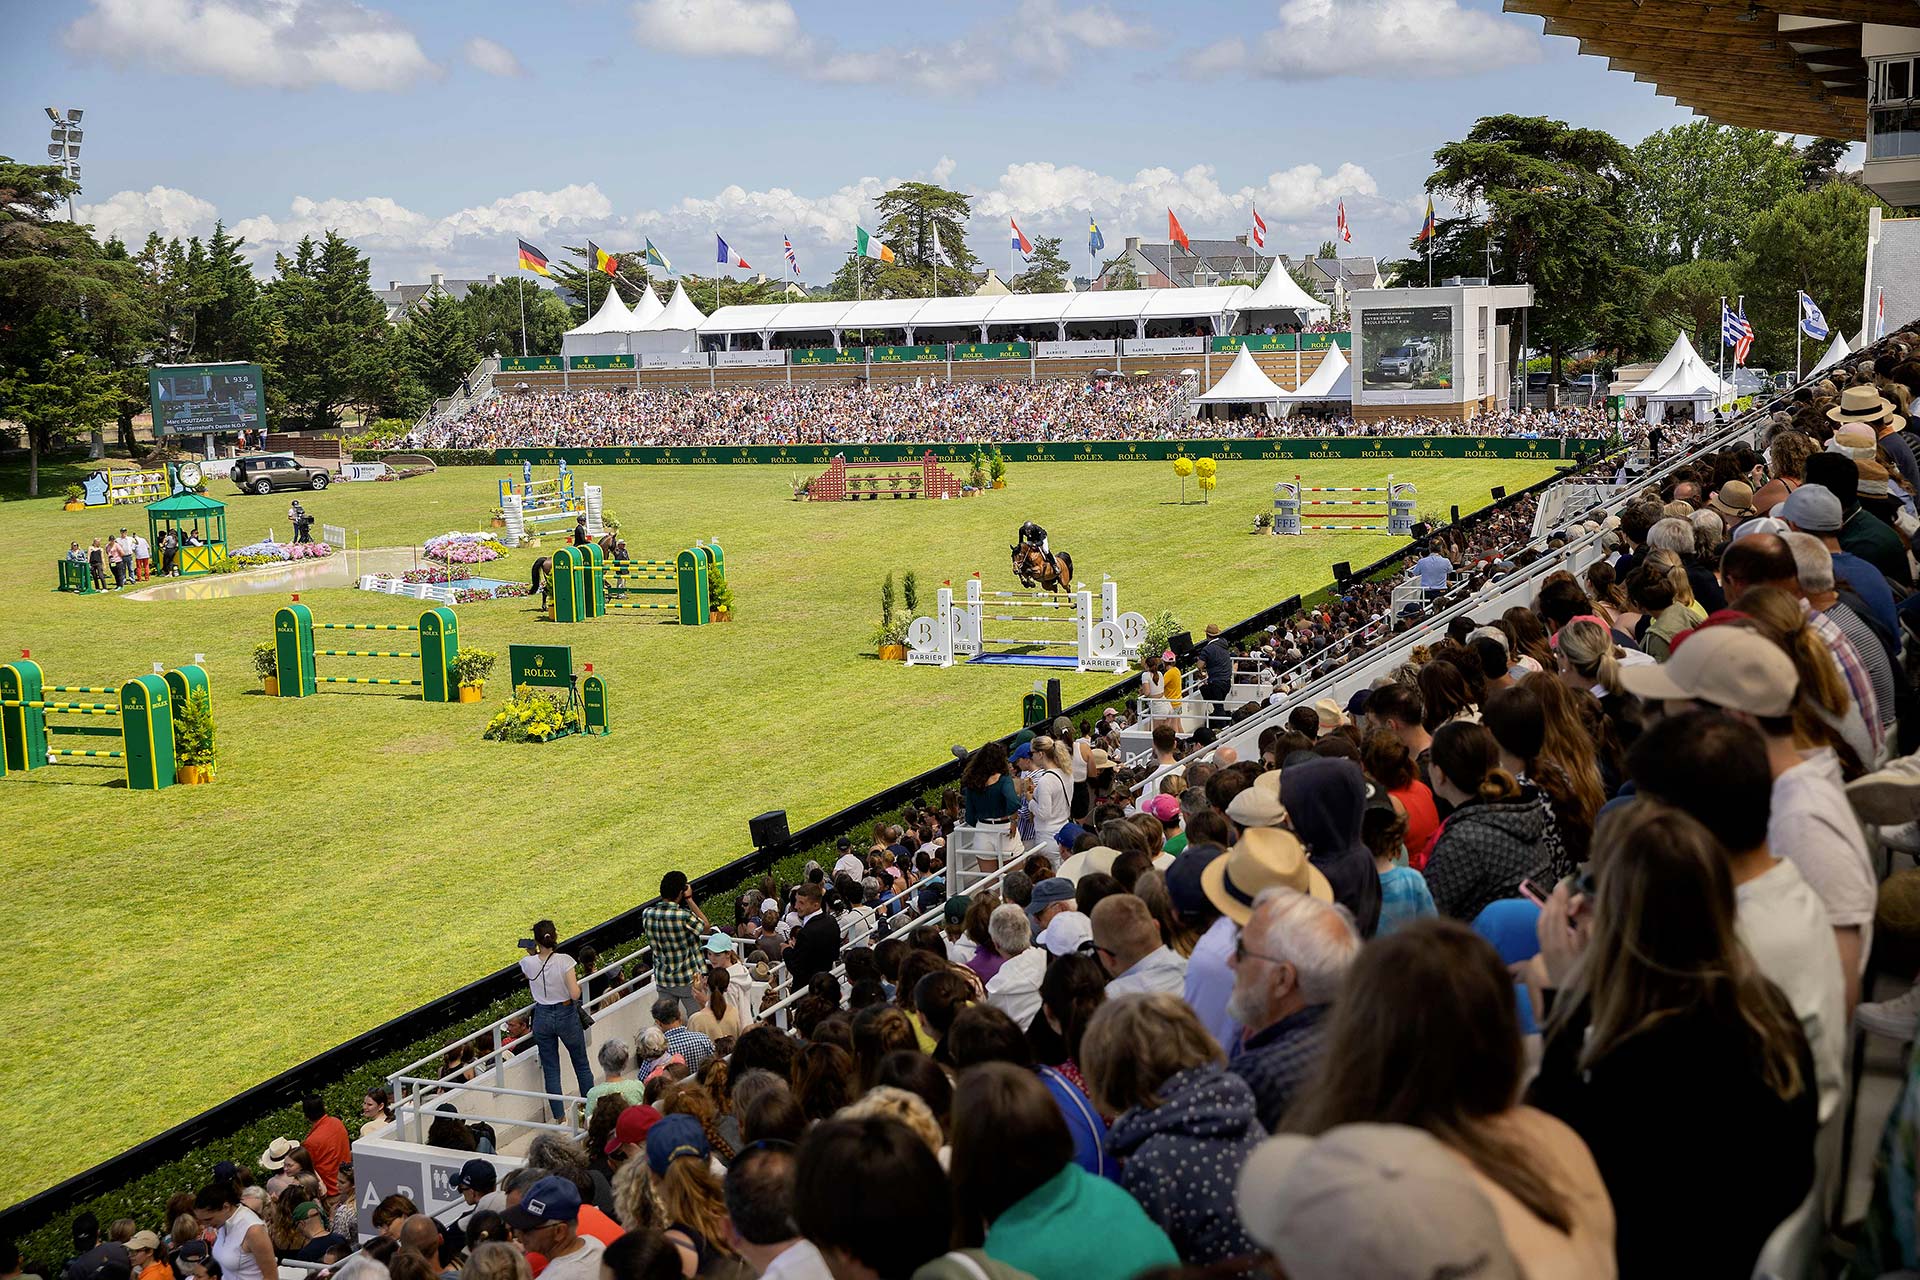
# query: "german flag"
602 260
531 259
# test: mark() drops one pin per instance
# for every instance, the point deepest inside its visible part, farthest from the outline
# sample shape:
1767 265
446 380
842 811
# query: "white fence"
438 592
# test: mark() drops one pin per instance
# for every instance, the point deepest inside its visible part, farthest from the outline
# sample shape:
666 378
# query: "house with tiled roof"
1332 280
401 299
1211 262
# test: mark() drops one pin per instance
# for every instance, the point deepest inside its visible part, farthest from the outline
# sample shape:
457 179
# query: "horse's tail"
539 573
1065 563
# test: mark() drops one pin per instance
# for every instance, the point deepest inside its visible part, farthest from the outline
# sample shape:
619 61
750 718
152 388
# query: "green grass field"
363 853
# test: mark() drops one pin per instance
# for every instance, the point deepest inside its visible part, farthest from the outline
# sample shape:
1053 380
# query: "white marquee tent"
1281 292
646 309
1332 380
604 333
1835 354
1244 382
675 329
1681 377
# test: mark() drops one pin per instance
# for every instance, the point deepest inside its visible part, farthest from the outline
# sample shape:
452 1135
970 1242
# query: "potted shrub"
719 595
193 741
894 483
498 519
471 667
913 485
266 665
997 468
977 474
890 637
74 498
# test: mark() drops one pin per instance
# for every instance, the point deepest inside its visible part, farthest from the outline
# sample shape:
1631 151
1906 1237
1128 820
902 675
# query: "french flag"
1020 241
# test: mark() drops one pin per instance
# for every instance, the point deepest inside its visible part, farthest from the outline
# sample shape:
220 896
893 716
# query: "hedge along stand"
581 586
145 732
294 653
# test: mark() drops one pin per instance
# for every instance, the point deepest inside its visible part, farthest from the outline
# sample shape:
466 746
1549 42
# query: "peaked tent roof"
612 317
1680 375
646 309
1333 380
1244 383
1835 354
1280 291
679 313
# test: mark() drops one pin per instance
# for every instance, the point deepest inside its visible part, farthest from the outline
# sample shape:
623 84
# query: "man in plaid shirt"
675 928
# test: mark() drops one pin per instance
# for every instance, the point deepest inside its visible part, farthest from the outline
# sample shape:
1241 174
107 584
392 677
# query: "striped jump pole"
294 653
584 580
1292 511
145 731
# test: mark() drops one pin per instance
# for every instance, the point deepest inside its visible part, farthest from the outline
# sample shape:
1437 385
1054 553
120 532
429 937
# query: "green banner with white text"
992 350
1299 449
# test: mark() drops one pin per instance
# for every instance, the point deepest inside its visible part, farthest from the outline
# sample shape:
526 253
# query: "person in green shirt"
1018 1194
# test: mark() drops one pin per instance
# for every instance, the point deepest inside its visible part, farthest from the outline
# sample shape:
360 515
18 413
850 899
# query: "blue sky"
434 133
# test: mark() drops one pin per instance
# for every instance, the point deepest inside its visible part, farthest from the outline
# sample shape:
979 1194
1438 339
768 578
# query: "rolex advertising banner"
1304 449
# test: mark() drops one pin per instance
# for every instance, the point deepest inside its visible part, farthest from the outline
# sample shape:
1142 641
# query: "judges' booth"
198 524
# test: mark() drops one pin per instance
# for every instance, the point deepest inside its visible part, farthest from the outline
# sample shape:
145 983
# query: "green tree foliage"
1047 269
908 215
329 344
492 316
570 272
1814 241
1820 161
1697 186
1119 273
1687 296
439 346
1327 249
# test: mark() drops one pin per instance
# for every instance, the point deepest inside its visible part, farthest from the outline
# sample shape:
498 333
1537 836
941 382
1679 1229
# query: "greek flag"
1812 323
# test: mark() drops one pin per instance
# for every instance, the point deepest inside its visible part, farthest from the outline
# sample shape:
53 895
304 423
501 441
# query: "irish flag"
868 247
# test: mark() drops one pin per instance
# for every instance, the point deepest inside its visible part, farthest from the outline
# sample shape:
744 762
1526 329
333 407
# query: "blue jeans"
553 1026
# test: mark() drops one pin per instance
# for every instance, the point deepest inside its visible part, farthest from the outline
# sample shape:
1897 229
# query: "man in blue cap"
547 1221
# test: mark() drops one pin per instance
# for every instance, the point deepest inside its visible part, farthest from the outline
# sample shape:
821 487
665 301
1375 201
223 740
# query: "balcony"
1892 169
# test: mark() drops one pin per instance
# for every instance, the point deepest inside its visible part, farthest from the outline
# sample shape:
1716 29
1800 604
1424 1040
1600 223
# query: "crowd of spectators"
930 412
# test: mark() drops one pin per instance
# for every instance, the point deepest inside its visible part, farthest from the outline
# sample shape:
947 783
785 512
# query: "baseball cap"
957 908
1022 752
1728 666
1065 932
551 1199
1066 836
1048 892
477 1174
719 942
307 1209
632 1127
193 1251
226 1171
1813 508
1383 1201
1163 806
148 1240
675 1136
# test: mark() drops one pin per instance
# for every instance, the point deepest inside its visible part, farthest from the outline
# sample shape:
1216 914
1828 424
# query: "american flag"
792 262
1340 224
1259 236
1735 332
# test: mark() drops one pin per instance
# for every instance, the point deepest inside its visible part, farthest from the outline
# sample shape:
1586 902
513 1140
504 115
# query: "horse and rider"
612 548
1036 564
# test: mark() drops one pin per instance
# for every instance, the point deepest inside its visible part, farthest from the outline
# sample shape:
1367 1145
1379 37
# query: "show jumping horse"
612 547
1037 568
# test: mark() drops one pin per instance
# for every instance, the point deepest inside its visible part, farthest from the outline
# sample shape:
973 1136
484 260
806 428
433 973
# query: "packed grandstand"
1508 912
929 412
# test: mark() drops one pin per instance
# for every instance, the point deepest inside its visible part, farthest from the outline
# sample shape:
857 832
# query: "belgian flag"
531 259
602 260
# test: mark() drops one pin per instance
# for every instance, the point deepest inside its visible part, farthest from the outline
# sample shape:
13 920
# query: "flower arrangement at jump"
463 548
531 715
271 552
506 591
1206 469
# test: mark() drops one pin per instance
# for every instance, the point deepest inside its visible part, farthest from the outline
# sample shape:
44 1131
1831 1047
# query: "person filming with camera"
676 929
558 1015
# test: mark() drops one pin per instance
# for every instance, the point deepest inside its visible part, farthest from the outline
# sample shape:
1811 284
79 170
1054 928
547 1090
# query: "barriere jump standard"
581 586
1288 510
1108 642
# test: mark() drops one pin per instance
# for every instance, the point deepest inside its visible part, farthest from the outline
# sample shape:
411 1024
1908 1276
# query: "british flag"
793 263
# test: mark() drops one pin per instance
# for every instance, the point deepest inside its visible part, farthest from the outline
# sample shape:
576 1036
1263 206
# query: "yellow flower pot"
192 775
893 653
74 505
720 615
1000 483
272 686
468 693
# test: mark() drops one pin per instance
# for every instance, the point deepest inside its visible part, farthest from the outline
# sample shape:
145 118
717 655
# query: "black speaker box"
769 829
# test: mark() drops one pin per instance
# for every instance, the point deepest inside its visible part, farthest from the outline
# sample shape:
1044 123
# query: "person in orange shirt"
326 1142
146 1266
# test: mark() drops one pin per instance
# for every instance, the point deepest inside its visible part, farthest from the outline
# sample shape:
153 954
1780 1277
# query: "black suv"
265 472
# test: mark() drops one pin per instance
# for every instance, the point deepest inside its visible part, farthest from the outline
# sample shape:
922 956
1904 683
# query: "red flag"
1175 234
1258 233
1340 224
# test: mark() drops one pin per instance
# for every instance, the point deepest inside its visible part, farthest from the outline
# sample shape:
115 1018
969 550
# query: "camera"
526 944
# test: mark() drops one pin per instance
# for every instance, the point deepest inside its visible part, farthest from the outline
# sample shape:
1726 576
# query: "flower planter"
192 775
1000 484
468 693
893 653
74 505
720 615
498 522
272 686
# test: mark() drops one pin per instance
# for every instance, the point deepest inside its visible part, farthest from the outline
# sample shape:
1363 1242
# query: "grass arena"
349 862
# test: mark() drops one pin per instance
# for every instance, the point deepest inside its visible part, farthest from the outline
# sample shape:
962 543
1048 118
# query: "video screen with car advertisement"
193 399
1407 349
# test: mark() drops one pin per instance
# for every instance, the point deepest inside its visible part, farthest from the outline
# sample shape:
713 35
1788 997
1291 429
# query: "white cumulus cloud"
491 57
132 214
1317 39
289 44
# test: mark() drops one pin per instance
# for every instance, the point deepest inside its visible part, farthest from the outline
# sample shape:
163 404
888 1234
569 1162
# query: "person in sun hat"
1861 405
1259 805
1732 502
1330 715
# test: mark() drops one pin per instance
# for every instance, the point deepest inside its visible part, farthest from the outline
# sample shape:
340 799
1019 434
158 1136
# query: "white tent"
1245 382
645 310
1681 377
604 333
675 329
1835 354
1281 292
1332 380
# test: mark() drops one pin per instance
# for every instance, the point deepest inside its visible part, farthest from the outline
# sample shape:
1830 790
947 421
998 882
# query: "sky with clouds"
433 133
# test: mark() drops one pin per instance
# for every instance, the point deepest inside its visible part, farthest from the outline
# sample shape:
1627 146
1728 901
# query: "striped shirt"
1858 682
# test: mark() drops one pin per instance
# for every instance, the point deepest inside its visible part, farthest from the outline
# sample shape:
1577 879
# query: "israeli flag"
1812 323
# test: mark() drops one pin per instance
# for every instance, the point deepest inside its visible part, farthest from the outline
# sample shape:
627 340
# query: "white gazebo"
1279 291
604 333
1331 381
674 330
1244 382
1681 378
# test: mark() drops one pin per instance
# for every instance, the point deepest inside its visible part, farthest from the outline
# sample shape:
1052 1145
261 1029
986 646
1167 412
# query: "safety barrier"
1107 642
523 522
1289 508
438 629
925 478
587 585
144 709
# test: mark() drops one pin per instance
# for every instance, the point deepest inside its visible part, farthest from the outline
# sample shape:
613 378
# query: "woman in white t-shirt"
1052 787
241 1243
556 1011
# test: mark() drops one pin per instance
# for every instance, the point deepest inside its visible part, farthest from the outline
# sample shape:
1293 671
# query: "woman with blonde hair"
1787 456
496 1261
886 1102
1667 562
1827 712
1682 1068
690 1196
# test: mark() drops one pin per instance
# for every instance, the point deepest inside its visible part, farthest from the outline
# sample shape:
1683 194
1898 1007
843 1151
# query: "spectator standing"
1324 800
240 1244
816 942
143 1253
1052 786
1494 837
1216 661
988 794
326 1142
555 988
1433 569
1183 1124
675 927
722 1017
142 570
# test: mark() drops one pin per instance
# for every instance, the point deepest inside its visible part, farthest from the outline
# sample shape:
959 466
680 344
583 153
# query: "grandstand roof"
1014 308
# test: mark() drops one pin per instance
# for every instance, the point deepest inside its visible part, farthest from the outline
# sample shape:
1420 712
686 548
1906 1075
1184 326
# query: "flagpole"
523 317
1798 325
1721 368
592 267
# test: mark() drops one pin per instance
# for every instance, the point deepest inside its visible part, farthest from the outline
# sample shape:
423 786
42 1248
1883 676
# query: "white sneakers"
1896 1019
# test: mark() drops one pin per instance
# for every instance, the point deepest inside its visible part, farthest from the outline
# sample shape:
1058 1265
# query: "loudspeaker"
1053 698
1342 570
1181 642
769 829
1499 492
1456 513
